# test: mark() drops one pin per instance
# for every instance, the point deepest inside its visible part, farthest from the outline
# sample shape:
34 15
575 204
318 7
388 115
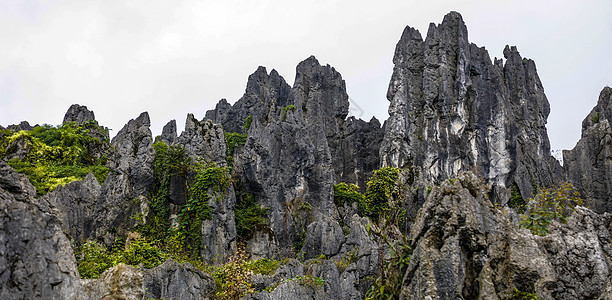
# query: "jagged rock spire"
454 109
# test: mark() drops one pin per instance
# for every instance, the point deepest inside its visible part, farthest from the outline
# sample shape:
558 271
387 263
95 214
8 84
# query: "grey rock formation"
219 233
204 139
589 165
78 114
24 125
168 135
177 281
119 282
36 259
464 247
323 236
454 109
129 182
264 97
74 205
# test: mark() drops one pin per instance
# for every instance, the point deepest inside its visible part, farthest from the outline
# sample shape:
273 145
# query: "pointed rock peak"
451 29
168 134
601 111
453 17
78 114
143 119
511 51
409 34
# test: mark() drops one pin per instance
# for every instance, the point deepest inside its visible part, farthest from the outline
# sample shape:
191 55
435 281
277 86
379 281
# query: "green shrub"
233 141
58 155
556 203
140 251
233 278
595 117
516 200
93 258
381 187
263 266
248 215
347 193
519 295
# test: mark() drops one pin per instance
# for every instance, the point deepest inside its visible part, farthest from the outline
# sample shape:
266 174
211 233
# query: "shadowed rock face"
78 114
589 165
454 109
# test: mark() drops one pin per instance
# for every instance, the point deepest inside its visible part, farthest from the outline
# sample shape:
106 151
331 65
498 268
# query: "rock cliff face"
454 109
465 248
129 183
36 258
74 205
589 165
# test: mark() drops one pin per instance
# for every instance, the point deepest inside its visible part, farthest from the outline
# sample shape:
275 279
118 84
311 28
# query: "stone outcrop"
589 165
452 109
172 280
168 135
464 247
129 183
204 139
74 204
167 281
36 259
78 114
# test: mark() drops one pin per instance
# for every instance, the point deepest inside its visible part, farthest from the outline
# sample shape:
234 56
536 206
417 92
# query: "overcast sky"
170 58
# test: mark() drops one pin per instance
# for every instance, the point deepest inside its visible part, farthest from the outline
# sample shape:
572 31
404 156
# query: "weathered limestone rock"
119 282
36 259
219 233
464 247
168 135
78 114
589 165
177 281
129 182
454 109
323 237
74 204
204 139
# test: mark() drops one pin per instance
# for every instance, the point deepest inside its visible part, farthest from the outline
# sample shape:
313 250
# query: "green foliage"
247 123
518 295
347 259
556 203
248 214
140 251
93 258
263 266
169 161
595 117
516 200
347 193
211 178
233 278
381 187
388 284
285 109
233 141
57 155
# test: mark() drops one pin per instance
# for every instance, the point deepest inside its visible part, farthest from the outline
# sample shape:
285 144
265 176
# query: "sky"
171 58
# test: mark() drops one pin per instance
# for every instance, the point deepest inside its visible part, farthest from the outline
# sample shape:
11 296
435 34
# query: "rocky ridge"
451 109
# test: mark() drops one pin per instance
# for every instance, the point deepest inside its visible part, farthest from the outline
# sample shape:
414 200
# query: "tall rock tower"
454 109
